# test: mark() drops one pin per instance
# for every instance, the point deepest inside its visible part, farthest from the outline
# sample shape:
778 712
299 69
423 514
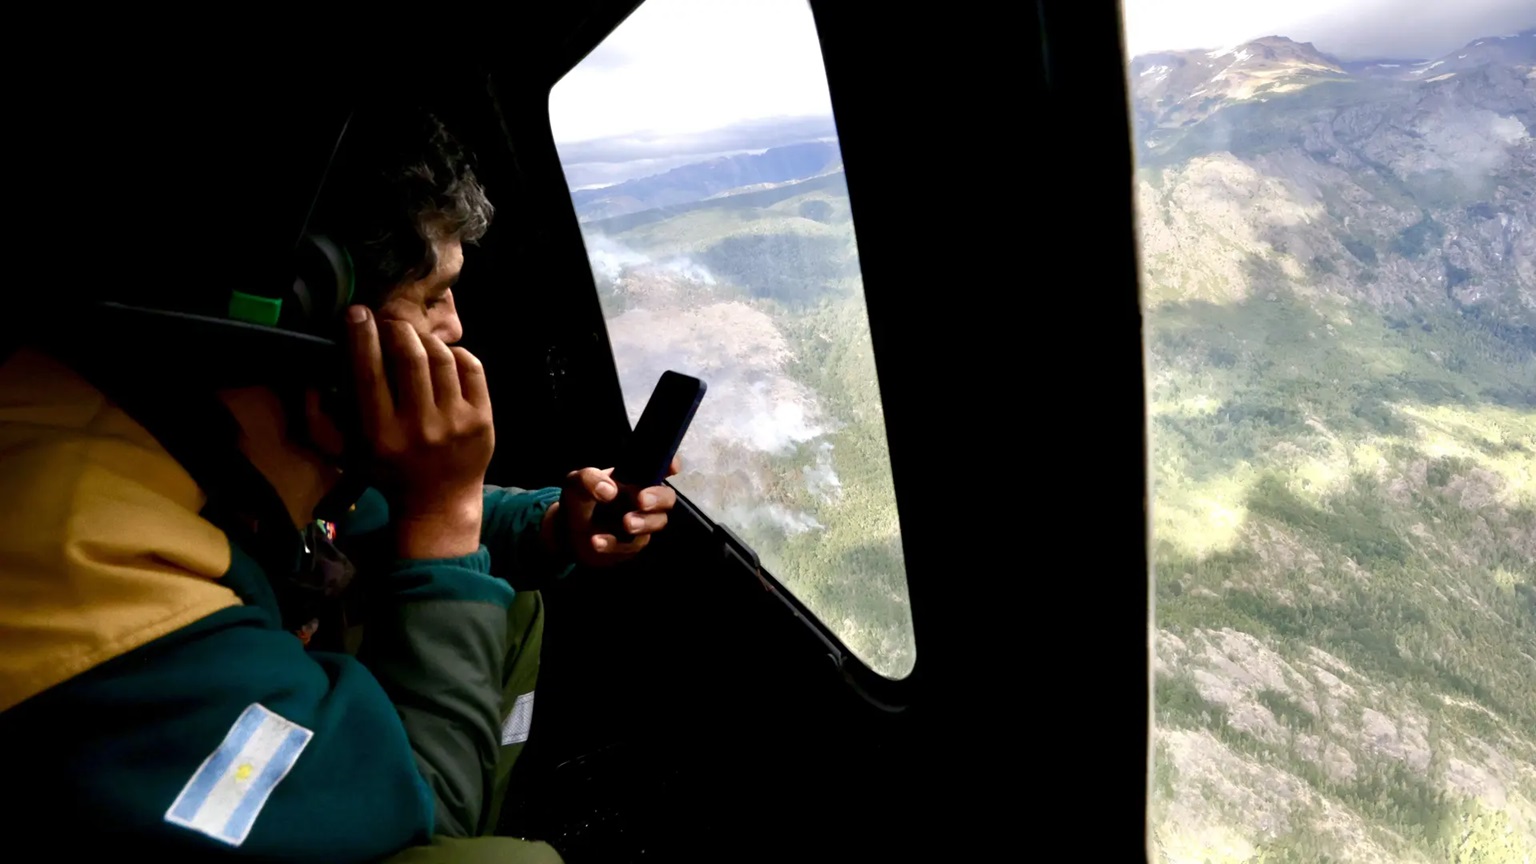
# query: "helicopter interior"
691 705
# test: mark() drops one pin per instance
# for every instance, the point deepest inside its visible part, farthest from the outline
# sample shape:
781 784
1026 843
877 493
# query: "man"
162 682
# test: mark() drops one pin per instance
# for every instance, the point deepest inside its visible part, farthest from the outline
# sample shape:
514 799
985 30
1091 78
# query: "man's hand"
568 527
429 424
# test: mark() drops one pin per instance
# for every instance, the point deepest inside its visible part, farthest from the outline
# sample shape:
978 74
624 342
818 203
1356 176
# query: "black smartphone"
648 452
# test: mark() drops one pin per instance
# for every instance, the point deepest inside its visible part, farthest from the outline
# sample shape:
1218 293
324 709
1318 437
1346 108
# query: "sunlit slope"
1341 313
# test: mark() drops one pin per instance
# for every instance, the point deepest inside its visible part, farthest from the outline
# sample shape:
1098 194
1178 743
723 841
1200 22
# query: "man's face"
427 304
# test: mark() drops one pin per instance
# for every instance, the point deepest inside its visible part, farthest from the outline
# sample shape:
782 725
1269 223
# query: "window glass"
1336 211
704 165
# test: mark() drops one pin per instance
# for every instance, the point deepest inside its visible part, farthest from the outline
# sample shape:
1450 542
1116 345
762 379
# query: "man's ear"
323 430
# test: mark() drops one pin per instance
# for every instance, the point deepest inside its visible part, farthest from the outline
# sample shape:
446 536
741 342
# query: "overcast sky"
677 68
688 66
1350 29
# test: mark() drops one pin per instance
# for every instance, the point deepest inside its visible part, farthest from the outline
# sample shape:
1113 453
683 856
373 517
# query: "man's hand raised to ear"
569 531
428 418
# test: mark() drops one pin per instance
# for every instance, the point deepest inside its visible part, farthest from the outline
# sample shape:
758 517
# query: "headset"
291 335
325 278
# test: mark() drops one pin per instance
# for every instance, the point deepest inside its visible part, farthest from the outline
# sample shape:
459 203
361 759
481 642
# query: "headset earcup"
322 285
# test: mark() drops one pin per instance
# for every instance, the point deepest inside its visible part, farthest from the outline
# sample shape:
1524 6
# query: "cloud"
608 56
1352 30
683 66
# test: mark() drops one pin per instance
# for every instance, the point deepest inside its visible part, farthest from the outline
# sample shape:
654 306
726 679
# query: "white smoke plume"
611 260
753 409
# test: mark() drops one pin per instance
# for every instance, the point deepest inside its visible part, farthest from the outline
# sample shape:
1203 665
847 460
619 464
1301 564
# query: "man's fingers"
444 370
593 483
610 543
644 523
413 375
656 499
373 400
472 378
676 467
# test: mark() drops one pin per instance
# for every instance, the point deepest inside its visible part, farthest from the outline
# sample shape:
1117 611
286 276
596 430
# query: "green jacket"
150 692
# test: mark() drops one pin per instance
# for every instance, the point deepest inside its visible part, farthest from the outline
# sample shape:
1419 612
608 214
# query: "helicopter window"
699 146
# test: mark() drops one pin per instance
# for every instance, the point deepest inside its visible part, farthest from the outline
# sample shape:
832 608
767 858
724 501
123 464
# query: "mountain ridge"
698 181
1440 167
1175 89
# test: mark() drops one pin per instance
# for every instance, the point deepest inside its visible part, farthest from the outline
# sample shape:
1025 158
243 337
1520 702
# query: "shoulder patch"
227 792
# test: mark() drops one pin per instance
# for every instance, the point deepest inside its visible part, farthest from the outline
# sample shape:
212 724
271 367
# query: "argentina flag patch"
226 794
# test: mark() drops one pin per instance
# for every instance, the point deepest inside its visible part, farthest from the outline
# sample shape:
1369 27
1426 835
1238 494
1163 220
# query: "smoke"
1509 130
821 478
672 313
776 517
685 268
1470 145
609 258
613 261
740 353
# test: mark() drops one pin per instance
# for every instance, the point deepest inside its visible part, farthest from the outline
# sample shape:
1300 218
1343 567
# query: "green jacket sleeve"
510 530
436 638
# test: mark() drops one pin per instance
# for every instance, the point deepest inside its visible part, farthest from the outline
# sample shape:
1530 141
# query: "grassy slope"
1333 478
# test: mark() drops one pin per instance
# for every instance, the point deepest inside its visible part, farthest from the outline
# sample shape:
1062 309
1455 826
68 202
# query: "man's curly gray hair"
403 183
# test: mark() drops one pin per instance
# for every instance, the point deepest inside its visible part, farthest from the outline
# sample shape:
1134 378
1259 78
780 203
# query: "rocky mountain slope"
1340 285
1415 193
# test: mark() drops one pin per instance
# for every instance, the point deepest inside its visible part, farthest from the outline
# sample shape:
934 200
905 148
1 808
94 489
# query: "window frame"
882 692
